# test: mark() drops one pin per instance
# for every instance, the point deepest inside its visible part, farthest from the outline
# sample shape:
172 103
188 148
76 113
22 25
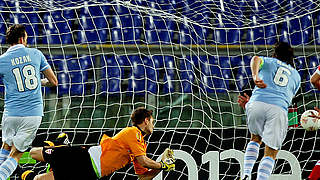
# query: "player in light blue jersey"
20 69
277 81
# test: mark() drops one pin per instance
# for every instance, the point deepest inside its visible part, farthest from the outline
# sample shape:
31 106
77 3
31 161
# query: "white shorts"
268 121
20 131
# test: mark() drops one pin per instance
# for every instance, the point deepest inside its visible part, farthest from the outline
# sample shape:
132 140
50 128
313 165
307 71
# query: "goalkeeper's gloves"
168 160
168 165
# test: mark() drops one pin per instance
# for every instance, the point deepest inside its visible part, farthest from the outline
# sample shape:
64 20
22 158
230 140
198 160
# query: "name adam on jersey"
20 60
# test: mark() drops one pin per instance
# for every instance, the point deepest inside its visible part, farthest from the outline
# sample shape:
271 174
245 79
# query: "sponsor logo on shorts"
48 151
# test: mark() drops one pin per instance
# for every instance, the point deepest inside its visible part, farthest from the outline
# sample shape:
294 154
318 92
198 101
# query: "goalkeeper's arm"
148 163
155 166
167 163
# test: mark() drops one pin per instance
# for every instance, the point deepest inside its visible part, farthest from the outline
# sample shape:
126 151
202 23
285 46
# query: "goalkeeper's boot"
28 175
61 140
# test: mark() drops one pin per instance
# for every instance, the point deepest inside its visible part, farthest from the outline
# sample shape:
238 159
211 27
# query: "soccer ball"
310 123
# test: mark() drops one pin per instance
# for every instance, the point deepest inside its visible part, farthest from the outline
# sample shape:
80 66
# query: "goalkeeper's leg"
36 154
62 158
61 140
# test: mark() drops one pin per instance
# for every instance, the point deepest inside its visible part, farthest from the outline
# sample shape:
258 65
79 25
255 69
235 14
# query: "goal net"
187 60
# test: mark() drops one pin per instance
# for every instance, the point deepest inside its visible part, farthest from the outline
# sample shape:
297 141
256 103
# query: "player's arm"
149 174
146 162
153 166
315 79
255 64
167 163
50 78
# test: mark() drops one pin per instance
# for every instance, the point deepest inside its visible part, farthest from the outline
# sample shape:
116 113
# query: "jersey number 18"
29 73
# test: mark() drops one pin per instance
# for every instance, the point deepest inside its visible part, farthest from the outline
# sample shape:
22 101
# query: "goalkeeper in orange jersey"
113 153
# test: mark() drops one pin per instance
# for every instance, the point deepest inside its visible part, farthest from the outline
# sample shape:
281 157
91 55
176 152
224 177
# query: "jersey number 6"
281 77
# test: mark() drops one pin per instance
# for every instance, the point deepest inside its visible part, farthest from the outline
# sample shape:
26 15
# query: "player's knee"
36 153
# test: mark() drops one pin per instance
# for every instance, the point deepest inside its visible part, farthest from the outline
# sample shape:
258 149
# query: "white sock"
250 157
265 168
3 155
7 168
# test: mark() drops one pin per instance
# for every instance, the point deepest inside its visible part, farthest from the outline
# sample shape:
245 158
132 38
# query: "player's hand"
242 100
44 82
168 153
259 82
168 160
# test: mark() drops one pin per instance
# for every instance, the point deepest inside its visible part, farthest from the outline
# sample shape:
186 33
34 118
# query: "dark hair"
139 115
15 32
284 52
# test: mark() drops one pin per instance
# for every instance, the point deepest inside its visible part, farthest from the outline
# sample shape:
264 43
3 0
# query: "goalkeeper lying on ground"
112 154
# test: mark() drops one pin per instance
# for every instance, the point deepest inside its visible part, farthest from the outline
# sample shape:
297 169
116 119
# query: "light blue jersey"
283 82
20 69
